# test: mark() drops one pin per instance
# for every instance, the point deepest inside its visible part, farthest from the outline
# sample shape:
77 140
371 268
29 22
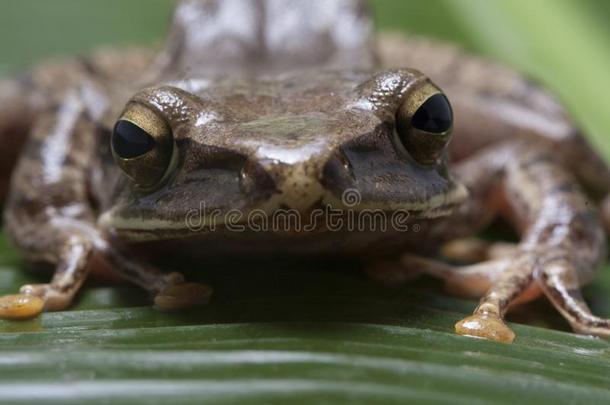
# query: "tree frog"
253 107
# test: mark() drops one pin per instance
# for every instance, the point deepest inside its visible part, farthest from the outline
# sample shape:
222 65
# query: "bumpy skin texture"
266 115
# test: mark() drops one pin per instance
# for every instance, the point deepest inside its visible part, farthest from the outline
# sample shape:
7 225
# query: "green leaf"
312 333
306 334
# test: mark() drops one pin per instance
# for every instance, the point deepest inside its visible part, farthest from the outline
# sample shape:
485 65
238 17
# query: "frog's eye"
130 141
434 115
424 122
142 146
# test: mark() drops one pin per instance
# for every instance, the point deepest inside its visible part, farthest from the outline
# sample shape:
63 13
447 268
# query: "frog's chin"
331 214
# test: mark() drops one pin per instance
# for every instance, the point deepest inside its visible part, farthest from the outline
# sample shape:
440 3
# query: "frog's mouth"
332 213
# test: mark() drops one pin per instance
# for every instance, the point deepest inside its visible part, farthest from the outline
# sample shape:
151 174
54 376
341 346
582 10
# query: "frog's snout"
292 149
297 184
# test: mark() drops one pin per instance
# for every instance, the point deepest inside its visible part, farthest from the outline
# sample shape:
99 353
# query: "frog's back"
266 37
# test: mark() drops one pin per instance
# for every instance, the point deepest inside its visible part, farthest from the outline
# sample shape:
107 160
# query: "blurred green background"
313 335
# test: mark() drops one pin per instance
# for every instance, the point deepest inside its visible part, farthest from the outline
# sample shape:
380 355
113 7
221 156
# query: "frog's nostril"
338 173
254 181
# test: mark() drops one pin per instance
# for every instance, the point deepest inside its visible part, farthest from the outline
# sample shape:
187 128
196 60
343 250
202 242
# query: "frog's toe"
54 300
594 327
559 281
38 290
181 296
20 306
487 326
57 301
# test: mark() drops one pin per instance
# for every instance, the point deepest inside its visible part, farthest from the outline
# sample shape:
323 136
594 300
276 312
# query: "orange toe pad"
20 306
485 326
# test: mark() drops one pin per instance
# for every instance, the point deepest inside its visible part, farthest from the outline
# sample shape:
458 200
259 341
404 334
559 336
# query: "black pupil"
434 115
130 141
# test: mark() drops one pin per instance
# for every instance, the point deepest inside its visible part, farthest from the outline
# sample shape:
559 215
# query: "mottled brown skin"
265 115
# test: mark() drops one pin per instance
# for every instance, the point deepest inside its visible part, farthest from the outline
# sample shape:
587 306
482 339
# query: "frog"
118 158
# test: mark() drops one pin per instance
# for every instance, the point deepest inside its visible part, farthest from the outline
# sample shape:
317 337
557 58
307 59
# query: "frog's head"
198 153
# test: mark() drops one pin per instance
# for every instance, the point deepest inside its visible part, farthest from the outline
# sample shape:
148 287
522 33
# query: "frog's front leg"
50 215
170 290
562 243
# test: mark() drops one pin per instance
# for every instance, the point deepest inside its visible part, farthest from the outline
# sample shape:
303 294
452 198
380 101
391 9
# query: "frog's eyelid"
385 91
